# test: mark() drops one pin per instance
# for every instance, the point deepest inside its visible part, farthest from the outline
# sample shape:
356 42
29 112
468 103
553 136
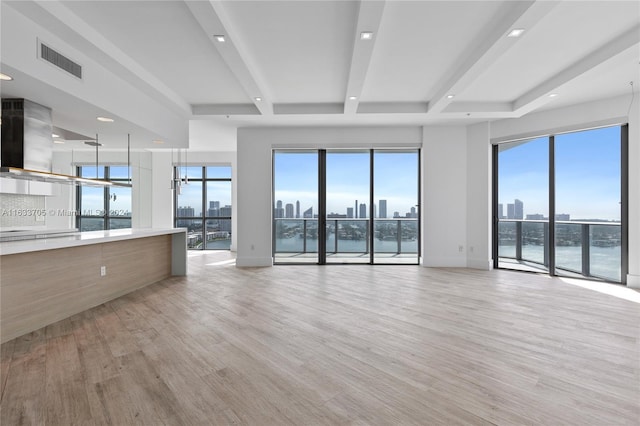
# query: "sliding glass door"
396 227
588 204
523 205
348 211
295 210
346 206
565 199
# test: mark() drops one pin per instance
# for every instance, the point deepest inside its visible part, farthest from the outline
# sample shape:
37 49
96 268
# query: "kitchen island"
48 279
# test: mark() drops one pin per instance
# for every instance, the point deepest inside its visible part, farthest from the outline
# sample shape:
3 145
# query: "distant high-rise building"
563 216
214 209
186 212
518 209
396 214
511 211
500 211
413 212
356 209
279 211
288 211
536 216
225 225
308 213
375 213
383 209
350 212
225 211
363 210
297 209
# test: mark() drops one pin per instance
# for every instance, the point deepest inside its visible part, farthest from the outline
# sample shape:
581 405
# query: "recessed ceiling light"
158 142
105 119
59 141
517 32
353 98
553 95
53 135
451 96
5 77
219 38
366 35
258 98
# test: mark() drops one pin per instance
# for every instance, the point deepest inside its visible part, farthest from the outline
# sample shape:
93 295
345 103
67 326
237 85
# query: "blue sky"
587 174
296 178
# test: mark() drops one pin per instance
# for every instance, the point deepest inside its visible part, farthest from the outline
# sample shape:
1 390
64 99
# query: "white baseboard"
444 262
633 281
247 262
484 264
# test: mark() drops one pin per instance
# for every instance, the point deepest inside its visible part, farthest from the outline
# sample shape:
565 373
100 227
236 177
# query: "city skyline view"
587 174
348 173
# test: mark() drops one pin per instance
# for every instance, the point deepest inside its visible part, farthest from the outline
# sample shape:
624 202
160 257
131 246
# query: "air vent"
60 61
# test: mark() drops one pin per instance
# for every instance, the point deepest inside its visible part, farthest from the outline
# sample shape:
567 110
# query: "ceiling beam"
539 95
369 16
213 18
488 48
61 12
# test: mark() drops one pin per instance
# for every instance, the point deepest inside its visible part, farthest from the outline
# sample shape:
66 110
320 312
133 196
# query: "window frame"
106 216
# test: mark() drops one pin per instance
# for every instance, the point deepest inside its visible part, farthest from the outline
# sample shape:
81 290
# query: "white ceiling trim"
478 58
369 16
214 21
70 19
539 95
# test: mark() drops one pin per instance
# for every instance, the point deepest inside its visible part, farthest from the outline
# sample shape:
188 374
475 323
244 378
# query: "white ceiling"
155 65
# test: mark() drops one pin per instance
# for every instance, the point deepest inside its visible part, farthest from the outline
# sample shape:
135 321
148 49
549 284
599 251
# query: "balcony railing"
391 236
591 249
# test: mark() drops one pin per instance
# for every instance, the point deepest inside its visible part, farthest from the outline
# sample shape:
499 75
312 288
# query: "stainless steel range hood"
26 147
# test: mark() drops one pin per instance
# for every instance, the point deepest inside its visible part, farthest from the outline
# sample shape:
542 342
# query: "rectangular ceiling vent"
60 61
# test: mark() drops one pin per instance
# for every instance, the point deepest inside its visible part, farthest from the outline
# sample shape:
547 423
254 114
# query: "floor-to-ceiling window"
103 208
560 204
358 206
203 206
295 211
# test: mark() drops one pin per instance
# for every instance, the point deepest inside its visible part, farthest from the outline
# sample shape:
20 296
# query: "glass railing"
590 249
391 236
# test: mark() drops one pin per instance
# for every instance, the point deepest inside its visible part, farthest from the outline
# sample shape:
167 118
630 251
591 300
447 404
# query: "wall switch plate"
103 271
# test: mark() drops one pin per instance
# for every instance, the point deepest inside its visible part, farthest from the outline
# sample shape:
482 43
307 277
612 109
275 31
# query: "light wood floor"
309 345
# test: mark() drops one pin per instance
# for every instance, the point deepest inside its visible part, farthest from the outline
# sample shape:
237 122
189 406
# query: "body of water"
605 262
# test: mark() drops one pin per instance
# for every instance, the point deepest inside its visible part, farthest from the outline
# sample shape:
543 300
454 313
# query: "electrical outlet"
460 248
103 271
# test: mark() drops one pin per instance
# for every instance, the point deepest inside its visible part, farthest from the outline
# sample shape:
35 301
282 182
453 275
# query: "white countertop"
81 239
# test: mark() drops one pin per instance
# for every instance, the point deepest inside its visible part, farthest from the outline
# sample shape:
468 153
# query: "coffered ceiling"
155 65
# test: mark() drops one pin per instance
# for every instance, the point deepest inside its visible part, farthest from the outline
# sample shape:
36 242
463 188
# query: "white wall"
444 196
254 173
604 112
479 197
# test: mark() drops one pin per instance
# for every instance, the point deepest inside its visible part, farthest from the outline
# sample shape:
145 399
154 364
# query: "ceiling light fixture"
366 35
553 95
53 135
517 32
451 96
158 142
105 119
5 77
59 141
258 98
353 98
219 38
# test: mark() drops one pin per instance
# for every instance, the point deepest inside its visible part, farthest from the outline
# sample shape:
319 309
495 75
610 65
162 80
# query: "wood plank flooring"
333 345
